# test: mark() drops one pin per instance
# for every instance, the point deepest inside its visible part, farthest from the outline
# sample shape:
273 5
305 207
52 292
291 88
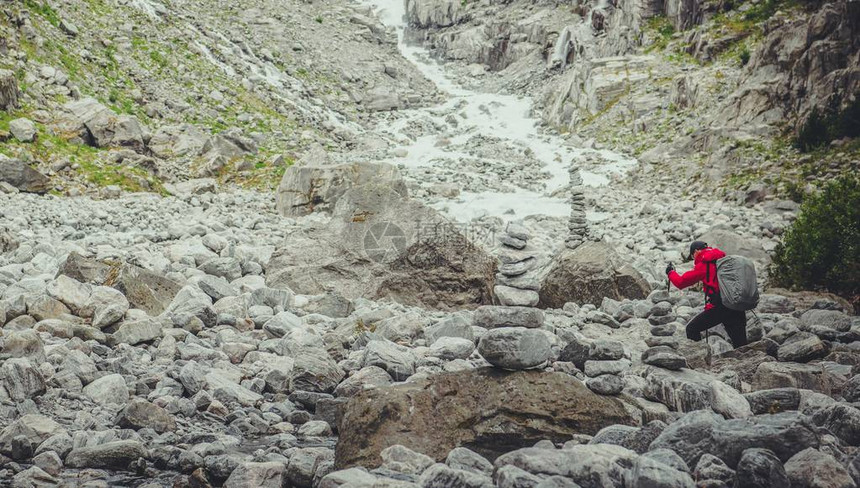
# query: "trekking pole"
708 343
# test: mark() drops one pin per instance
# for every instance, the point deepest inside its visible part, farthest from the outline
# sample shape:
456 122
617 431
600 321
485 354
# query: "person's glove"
670 268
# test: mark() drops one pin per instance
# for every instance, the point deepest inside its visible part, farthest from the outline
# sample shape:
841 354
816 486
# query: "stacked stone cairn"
514 339
515 284
663 351
577 224
605 366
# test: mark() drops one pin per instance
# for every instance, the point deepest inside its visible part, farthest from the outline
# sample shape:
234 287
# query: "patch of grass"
44 10
264 177
663 30
744 56
319 19
606 108
158 59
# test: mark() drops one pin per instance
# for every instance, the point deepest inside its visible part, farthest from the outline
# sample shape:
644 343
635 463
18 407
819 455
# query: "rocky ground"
142 347
441 292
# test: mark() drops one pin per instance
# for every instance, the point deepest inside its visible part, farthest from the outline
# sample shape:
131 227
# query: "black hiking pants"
735 323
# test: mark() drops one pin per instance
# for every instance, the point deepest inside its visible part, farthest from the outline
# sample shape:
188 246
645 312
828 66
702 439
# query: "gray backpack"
737 281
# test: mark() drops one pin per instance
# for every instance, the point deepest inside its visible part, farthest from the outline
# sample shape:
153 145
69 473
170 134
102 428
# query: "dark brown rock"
486 410
8 90
20 175
148 291
589 273
144 289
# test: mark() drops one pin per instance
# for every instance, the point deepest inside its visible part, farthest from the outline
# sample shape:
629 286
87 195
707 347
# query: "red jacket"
705 270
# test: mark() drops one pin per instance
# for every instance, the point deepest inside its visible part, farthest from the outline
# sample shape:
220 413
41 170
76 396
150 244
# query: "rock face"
309 188
787 74
436 13
589 273
381 244
21 176
488 411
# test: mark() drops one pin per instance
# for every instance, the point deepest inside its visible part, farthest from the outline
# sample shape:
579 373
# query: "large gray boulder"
315 371
259 475
831 319
398 361
139 414
23 129
812 468
732 243
103 128
596 466
33 428
171 141
191 303
704 432
117 455
145 290
491 316
515 347
108 389
682 391
771 375
21 379
589 273
309 188
20 175
380 244
366 377
760 468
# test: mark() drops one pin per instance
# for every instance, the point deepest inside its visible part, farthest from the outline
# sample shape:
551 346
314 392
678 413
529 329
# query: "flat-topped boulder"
317 187
380 244
589 273
490 317
487 410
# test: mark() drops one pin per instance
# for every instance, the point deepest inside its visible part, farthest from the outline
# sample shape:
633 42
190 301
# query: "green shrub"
744 56
814 132
821 249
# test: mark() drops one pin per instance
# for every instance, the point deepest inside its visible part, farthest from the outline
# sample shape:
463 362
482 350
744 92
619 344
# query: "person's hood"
709 254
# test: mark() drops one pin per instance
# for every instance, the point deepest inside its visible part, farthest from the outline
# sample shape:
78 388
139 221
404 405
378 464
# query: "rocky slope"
141 346
441 291
712 91
138 93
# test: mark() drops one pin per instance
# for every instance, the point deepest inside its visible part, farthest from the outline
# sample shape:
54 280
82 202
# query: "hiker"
715 313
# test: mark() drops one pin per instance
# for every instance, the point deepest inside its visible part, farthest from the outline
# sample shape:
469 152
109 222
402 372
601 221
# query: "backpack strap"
714 292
